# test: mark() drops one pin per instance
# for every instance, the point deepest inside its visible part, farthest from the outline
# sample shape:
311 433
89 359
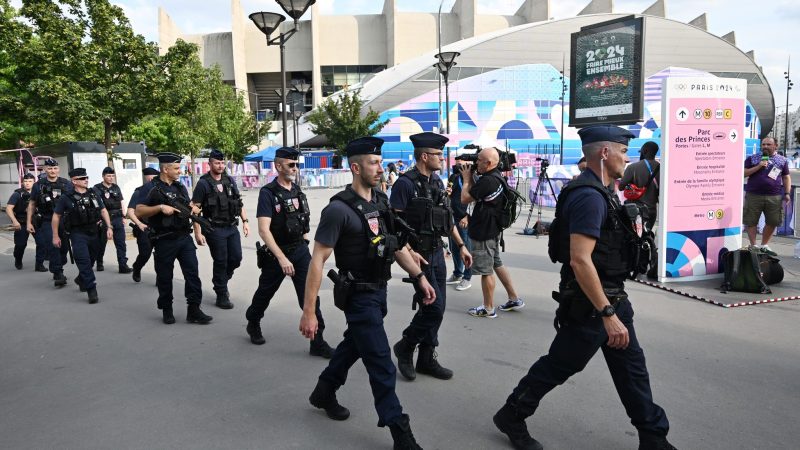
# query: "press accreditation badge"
774 173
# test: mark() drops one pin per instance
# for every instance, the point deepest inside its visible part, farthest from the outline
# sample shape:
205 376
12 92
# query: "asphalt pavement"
111 375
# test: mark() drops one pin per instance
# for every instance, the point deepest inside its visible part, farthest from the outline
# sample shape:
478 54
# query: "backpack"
742 270
512 205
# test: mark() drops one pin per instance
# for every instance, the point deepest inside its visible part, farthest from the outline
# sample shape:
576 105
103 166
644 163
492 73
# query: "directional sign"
733 135
682 114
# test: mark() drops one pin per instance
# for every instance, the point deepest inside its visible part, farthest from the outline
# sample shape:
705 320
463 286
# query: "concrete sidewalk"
111 375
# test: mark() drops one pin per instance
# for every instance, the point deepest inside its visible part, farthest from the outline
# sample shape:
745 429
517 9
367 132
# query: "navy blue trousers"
145 249
365 338
84 248
574 345
119 242
424 327
20 242
168 250
226 251
44 239
459 268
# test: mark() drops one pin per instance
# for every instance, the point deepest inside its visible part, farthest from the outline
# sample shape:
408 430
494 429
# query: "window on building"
336 78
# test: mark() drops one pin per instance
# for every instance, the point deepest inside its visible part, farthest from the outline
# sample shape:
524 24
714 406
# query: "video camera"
506 162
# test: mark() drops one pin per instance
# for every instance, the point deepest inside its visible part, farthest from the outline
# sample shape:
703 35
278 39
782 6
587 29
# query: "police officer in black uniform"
44 196
357 226
221 203
420 198
171 237
83 215
16 209
112 197
140 227
594 238
283 223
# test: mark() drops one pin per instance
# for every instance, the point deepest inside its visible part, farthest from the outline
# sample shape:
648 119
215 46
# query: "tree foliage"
340 119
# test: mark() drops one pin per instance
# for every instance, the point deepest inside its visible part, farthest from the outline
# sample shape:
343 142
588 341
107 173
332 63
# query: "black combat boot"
166 315
77 281
324 397
100 266
41 268
513 425
648 441
254 330
320 348
224 300
18 258
402 435
137 274
428 365
404 351
93 295
195 315
18 264
123 268
59 280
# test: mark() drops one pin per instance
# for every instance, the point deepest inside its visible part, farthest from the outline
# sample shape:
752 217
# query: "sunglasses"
81 178
291 165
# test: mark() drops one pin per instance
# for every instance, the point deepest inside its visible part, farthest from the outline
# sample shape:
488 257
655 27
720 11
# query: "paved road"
80 376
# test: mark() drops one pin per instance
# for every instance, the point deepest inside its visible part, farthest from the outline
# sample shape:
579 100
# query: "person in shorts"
767 191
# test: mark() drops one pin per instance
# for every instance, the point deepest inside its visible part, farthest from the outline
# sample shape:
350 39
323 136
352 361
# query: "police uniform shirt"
266 201
338 219
15 198
37 190
403 190
203 189
149 197
137 198
585 209
488 190
106 192
66 203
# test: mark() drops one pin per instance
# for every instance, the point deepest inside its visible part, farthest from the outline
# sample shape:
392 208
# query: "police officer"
283 224
592 236
83 212
170 234
16 209
420 198
44 196
112 197
140 227
218 197
357 227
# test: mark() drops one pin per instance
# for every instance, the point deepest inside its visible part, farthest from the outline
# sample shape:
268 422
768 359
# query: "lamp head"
267 22
295 8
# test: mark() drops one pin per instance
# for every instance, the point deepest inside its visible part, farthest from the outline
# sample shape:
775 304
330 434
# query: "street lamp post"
301 89
789 85
268 23
446 62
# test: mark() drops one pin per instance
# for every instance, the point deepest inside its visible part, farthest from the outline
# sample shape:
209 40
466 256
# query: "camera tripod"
537 200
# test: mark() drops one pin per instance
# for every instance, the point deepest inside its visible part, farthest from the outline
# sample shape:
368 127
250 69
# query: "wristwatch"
607 311
245 220
460 245
418 276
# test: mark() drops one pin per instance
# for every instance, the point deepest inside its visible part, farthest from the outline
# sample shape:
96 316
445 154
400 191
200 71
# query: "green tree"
796 138
340 119
237 130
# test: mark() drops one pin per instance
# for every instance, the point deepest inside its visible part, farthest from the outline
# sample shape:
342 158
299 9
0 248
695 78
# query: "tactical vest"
428 213
112 197
162 223
85 212
615 251
291 217
21 207
48 195
224 204
368 255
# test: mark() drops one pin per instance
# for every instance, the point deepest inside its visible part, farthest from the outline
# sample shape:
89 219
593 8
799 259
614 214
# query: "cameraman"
461 274
484 230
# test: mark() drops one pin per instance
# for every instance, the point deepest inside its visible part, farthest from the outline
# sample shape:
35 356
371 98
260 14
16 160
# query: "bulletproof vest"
369 254
21 207
614 252
223 205
428 213
163 194
291 217
112 197
85 212
49 192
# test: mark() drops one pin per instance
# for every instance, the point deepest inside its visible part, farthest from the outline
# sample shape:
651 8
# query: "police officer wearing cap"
82 211
218 197
419 197
357 226
16 209
283 223
171 237
44 196
593 237
112 197
140 227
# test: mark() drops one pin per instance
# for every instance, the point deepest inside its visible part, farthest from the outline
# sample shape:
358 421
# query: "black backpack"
512 205
743 272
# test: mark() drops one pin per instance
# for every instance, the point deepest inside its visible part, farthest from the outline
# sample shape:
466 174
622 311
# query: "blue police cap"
108 170
28 176
216 154
168 157
287 153
368 145
428 140
51 162
149 171
77 172
608 133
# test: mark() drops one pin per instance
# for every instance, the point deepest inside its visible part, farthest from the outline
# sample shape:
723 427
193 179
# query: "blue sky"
770 27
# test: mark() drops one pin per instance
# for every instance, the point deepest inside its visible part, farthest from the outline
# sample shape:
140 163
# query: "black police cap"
108 170
287 153
28 176
51 162
428 140
77 172
368 145
168 157
216 154
149 171
605 133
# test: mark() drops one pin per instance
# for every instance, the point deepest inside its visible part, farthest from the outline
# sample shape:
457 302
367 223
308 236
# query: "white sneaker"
463 285
481 311
512 305
453 280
